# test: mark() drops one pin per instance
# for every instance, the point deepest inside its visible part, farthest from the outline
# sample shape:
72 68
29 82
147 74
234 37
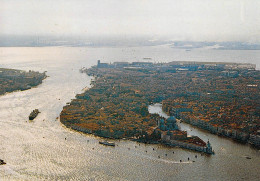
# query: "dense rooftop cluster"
224 95
12 80
113 107
228 106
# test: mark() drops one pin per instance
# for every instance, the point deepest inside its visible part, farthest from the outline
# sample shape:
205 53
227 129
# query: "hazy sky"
212 20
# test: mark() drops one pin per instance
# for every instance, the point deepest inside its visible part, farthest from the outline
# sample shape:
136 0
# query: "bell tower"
209 148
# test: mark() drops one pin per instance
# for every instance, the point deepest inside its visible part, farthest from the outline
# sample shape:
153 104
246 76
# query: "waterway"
38 150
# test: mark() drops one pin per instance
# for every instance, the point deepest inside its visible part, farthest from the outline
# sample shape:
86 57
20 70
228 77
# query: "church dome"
162 121
171 119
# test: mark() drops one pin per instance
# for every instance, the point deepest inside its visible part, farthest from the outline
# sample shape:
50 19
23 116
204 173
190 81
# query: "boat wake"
9 170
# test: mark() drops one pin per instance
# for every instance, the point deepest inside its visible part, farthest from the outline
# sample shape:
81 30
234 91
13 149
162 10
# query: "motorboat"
107 143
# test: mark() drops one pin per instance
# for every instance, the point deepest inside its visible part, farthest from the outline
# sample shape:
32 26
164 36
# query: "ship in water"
34 114
107 143
2 162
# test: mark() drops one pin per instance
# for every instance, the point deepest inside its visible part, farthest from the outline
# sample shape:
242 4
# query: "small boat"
33 114
107 143
2 162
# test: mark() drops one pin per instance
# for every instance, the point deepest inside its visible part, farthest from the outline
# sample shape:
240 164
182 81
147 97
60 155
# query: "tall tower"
209 148
98 63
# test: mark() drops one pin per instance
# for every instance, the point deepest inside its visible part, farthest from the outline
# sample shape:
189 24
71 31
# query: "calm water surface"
38 150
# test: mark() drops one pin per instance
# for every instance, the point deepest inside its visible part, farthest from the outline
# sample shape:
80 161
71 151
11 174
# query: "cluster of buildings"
11 79
216 119
182 65
219 97
172 135
124 64
189 65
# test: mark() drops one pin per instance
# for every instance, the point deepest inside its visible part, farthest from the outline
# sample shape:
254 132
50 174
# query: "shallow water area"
38 150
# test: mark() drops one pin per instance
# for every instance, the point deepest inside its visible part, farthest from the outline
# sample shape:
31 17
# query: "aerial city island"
14 80
222 98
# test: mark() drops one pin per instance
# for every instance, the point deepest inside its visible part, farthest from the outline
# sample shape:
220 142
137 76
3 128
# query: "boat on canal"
107 143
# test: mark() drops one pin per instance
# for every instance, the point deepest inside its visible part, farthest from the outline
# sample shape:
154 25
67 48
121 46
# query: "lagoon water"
38 150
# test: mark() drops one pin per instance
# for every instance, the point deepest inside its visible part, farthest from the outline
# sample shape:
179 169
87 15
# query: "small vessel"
107 143
2 162
33 114
247 157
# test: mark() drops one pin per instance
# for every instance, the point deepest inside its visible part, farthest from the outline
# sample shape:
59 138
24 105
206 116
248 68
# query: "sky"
195 20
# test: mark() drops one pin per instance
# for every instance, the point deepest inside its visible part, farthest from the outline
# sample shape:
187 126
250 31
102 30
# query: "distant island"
222 98
13 80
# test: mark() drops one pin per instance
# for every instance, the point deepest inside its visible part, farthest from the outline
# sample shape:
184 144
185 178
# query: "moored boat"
107 143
